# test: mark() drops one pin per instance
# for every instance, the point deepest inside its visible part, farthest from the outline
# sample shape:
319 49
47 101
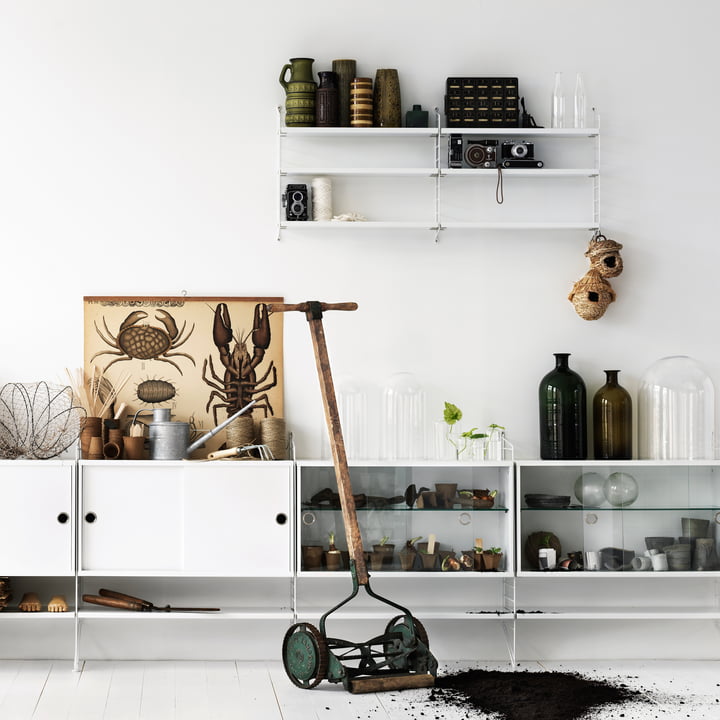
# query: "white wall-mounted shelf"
363 163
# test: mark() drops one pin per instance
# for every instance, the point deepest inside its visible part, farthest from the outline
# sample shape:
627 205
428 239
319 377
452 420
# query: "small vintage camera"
515 154
464 152
296 201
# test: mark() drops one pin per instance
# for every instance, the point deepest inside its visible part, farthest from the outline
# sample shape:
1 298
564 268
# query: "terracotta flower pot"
407 558
429 560
479 561
312 556
333 560
387 551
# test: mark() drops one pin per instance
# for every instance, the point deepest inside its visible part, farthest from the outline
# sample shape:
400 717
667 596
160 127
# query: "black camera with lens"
465 152
518 154
296 201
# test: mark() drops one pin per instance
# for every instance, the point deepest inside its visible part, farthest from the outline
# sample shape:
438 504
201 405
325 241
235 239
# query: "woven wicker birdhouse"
591 295
604 256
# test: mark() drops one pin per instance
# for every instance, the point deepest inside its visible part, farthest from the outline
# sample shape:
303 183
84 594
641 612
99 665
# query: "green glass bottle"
563 413
612 420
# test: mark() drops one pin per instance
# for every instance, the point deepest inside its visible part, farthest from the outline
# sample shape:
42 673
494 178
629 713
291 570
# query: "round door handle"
281 518
91 517
62 518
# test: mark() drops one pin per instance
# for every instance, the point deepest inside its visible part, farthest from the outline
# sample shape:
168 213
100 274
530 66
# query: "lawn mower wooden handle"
306 306
313 310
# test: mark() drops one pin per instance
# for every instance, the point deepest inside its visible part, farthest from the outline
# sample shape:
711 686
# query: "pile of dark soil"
526 695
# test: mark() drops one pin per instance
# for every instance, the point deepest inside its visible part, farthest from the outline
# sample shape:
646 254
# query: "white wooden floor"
173 690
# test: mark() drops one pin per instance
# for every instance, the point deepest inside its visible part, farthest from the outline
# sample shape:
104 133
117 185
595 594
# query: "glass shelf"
634 508
394 509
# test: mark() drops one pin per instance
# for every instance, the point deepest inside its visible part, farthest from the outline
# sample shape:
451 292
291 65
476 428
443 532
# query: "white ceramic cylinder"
322 208
659 562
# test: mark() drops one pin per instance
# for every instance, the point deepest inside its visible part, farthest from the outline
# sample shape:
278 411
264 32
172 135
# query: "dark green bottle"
563 413
612 420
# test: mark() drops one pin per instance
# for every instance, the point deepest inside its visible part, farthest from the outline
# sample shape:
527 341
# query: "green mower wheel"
305 655
392 648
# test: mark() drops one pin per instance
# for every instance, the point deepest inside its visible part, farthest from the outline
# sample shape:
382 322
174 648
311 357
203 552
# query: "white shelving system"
399 179
464 596
668 491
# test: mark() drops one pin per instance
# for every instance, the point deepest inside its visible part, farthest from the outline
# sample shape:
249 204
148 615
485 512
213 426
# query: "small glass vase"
448 442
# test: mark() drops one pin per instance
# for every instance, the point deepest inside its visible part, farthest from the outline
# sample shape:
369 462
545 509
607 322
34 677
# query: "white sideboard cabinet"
37 553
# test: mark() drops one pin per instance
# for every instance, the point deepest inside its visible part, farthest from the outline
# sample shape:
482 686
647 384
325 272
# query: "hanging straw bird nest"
604 256
591 296
37 420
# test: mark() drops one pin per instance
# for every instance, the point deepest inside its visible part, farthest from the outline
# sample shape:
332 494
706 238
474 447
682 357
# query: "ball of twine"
273 433
240 432
322 199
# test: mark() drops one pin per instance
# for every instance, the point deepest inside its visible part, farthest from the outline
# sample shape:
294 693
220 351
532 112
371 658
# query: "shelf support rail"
438 226
509 626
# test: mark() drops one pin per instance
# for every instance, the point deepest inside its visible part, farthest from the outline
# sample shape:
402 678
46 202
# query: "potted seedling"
384 550
492 558
429 554
333 557
449 561
409 553
478 563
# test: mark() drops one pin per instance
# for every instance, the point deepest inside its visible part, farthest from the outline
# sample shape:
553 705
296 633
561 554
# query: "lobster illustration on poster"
203 358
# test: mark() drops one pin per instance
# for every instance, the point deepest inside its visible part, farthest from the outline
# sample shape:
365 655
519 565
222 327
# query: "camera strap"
499 193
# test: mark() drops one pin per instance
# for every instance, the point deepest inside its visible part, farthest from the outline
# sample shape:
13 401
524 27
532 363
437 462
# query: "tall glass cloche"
676 411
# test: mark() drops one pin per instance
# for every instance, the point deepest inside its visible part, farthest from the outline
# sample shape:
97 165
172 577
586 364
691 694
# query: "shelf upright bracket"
596 180
279 173
438 225
510 626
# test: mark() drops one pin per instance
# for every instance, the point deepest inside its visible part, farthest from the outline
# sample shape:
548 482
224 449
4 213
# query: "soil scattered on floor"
524 695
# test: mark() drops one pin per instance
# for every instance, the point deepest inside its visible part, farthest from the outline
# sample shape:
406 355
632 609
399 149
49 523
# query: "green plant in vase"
477 449
452 415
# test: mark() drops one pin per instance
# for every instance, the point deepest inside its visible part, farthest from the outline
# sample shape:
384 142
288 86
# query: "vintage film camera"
466 152
518 154
296 201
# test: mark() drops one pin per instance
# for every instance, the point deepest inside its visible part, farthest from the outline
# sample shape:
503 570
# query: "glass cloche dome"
676 411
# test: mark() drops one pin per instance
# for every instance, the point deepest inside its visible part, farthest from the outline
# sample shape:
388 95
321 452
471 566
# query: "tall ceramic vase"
326 100
346 70
563 410
300 91
386 100
361 102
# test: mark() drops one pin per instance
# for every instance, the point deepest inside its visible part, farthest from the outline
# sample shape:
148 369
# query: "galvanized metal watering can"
170 439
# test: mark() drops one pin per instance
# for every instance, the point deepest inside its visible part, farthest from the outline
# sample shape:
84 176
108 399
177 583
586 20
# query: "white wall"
137 156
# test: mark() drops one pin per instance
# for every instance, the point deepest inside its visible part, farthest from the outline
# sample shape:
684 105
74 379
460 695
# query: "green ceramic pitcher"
300 91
